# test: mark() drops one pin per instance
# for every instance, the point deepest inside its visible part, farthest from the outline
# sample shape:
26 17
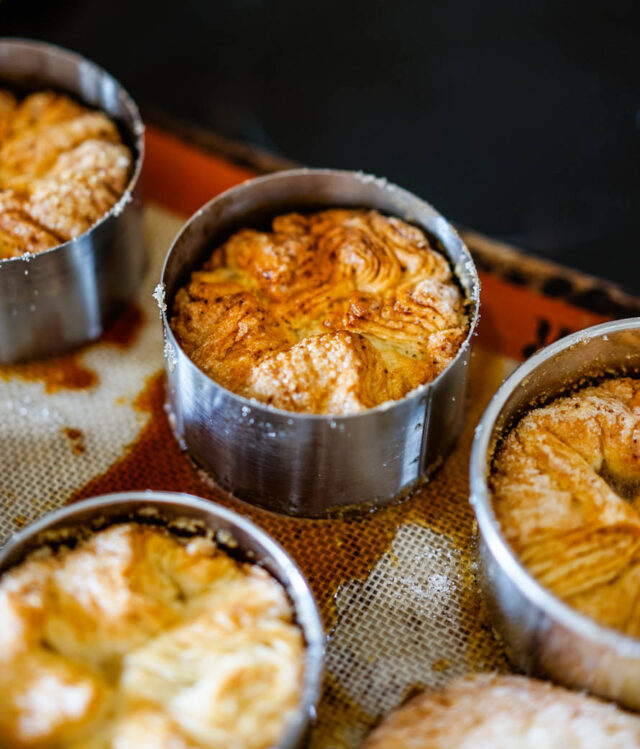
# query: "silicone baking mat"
396 586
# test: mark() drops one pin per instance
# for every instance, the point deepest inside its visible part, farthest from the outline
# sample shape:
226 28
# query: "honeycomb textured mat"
396 586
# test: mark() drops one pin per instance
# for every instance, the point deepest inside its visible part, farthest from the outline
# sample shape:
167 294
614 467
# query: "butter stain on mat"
76 438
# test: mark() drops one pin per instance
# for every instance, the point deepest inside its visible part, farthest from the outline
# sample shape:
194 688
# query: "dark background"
518 119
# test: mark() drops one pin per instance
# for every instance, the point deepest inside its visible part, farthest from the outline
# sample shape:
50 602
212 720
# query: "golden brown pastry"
487 711
566 491
135 639
334 312
62 167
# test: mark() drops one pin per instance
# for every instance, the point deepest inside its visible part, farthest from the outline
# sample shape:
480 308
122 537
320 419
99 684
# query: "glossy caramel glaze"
566 491
62 167
334 312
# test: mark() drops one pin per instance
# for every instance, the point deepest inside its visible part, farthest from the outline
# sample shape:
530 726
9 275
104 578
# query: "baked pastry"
62 167
137 639
334 312
487 711
566 491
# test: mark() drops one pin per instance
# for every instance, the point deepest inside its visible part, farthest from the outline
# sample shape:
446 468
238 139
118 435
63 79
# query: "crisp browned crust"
62 167
487 711
334 312
134 639
566 490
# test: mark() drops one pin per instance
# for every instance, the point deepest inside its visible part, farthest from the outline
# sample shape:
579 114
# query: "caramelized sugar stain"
341 721
64 372
441 664
67 372
331 551
412 691
484 650
76 437
125 330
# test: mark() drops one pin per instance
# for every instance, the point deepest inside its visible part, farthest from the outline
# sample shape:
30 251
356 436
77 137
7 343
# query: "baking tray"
396 587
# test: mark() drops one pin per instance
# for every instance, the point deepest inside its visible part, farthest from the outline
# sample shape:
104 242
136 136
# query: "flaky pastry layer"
136 640
566 490
334 312
62 167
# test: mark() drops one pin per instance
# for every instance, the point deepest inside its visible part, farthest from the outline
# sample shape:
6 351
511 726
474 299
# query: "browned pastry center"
566 490
62 167
334 312
136 638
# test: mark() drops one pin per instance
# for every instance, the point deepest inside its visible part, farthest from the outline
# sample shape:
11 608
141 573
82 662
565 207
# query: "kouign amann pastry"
137 639
487 711
566 491
62 168
330 313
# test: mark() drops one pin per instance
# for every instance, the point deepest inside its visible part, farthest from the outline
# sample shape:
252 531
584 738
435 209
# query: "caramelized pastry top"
566 491
334 312
62 167
487 711
137 640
